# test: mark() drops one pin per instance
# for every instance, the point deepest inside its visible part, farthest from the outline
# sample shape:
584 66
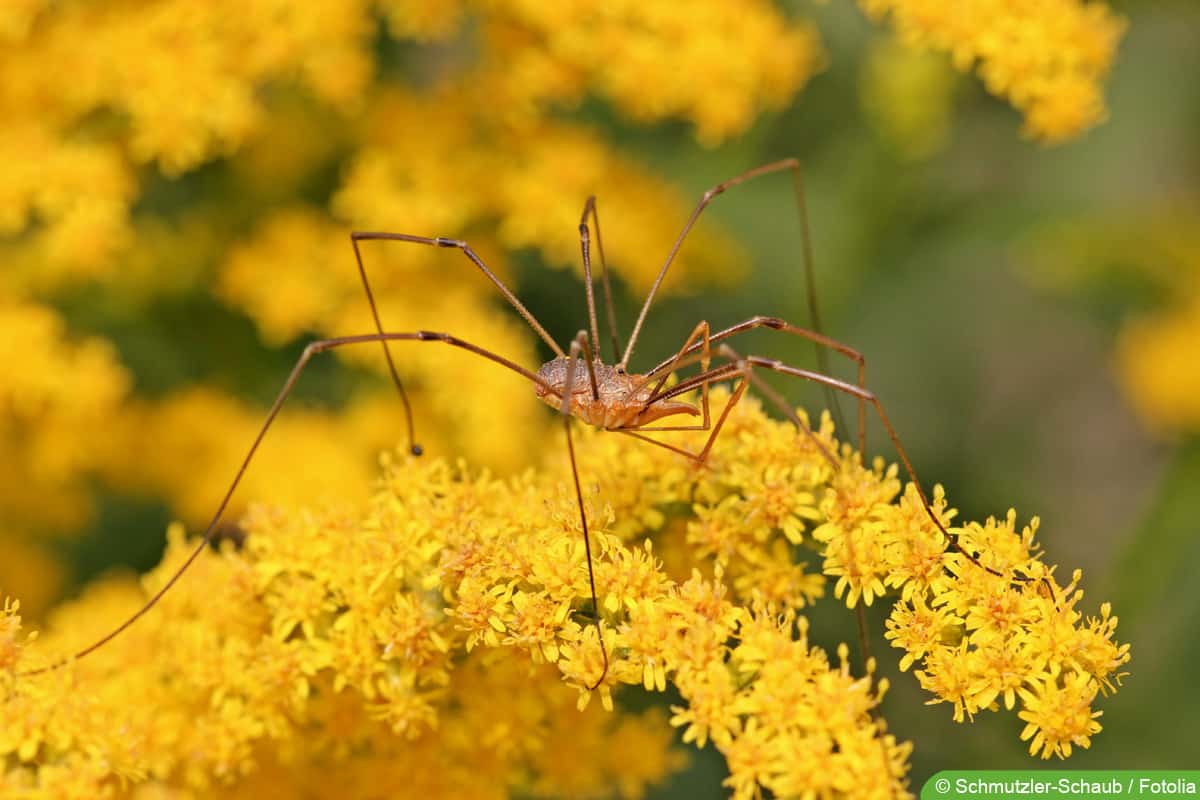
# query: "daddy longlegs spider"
579 384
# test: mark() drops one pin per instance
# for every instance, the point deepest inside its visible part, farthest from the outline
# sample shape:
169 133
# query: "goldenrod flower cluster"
978 640
1156 356
443 636
1048 58
181 147
77 134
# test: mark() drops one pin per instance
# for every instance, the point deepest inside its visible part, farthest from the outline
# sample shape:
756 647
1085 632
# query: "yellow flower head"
1047 58
451 618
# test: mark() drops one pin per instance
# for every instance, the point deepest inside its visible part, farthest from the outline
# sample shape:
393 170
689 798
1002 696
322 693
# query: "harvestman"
579 384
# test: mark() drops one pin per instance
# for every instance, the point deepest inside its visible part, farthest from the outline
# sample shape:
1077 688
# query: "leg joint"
767 363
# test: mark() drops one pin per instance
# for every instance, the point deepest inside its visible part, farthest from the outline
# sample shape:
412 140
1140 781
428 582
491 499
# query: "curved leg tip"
594 686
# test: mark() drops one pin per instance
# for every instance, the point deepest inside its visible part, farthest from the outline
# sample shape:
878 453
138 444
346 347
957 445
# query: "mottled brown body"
621 399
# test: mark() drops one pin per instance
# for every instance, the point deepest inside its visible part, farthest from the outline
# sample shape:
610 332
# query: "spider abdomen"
620 400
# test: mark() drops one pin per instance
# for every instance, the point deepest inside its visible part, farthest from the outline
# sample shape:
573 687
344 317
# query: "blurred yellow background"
1018 259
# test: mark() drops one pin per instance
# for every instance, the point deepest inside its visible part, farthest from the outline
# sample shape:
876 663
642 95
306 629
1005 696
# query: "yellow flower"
1048 58
10 642
451 618
1156 359
919 629
1060 715
856 544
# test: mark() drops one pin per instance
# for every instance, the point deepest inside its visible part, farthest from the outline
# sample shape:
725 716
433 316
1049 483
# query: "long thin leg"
590 208
312 349
860 614
415 448
693 351
748 376
730 371
821 341
701 456
589 289
366 236
741 367
793 165
701 333
578 347
814 310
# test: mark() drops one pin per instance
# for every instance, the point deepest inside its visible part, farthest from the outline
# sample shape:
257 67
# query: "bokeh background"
178 185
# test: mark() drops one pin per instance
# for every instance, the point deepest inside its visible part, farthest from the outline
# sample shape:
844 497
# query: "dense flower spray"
441 636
